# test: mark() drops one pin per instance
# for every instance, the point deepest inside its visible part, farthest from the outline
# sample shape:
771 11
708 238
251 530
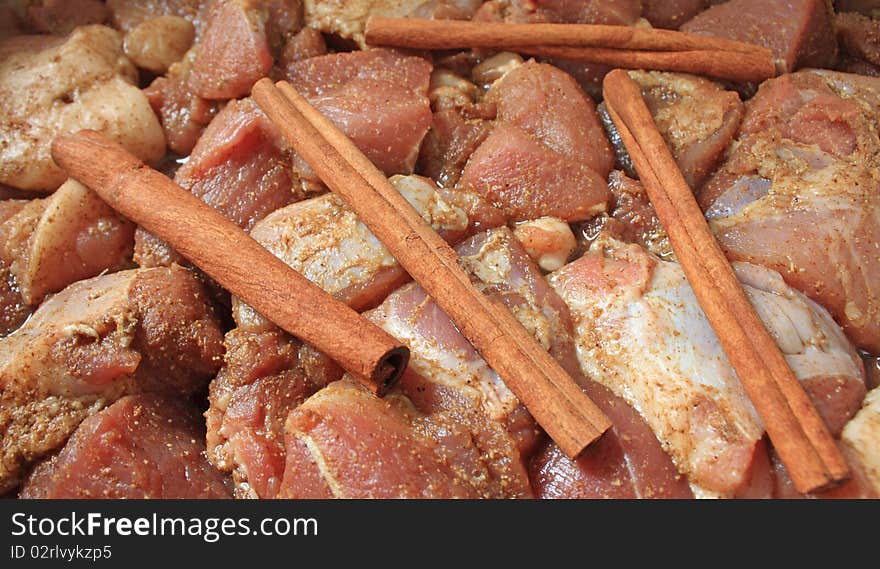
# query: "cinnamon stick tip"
389 370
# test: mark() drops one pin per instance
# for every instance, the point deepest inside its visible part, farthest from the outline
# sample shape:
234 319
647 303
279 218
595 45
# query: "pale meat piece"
158 43
239 167
862 437
143 330
50 87
799 193
267 373
13 310
347 18
697 118
378 98
799 32
142 446
642 334
69 236
546 154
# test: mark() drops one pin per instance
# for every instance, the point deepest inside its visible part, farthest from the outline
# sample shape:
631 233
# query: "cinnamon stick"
232 258
553 398
733 66
615 46
457 34
793 424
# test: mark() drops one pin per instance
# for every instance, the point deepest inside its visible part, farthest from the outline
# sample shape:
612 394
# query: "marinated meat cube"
326 242
347 18
451 428
378 98
233 52
799 193
54 86
641 333
136 331
800 32
546 154
50 243
142 446
13 310
631 218
671 13
627 462
859 39
862 437
238 167
697 118
267 373
612 12
128 14
63 16
452 139
308 42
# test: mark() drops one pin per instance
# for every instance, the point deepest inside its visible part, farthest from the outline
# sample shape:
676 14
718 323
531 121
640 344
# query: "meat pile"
127 373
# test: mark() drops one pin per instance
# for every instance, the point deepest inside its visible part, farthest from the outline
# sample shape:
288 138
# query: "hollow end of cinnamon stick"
388 370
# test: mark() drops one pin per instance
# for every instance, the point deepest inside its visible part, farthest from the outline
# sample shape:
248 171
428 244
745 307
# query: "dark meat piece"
799 193
145 330
613 12
128 14
800 32
142 446
859 39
